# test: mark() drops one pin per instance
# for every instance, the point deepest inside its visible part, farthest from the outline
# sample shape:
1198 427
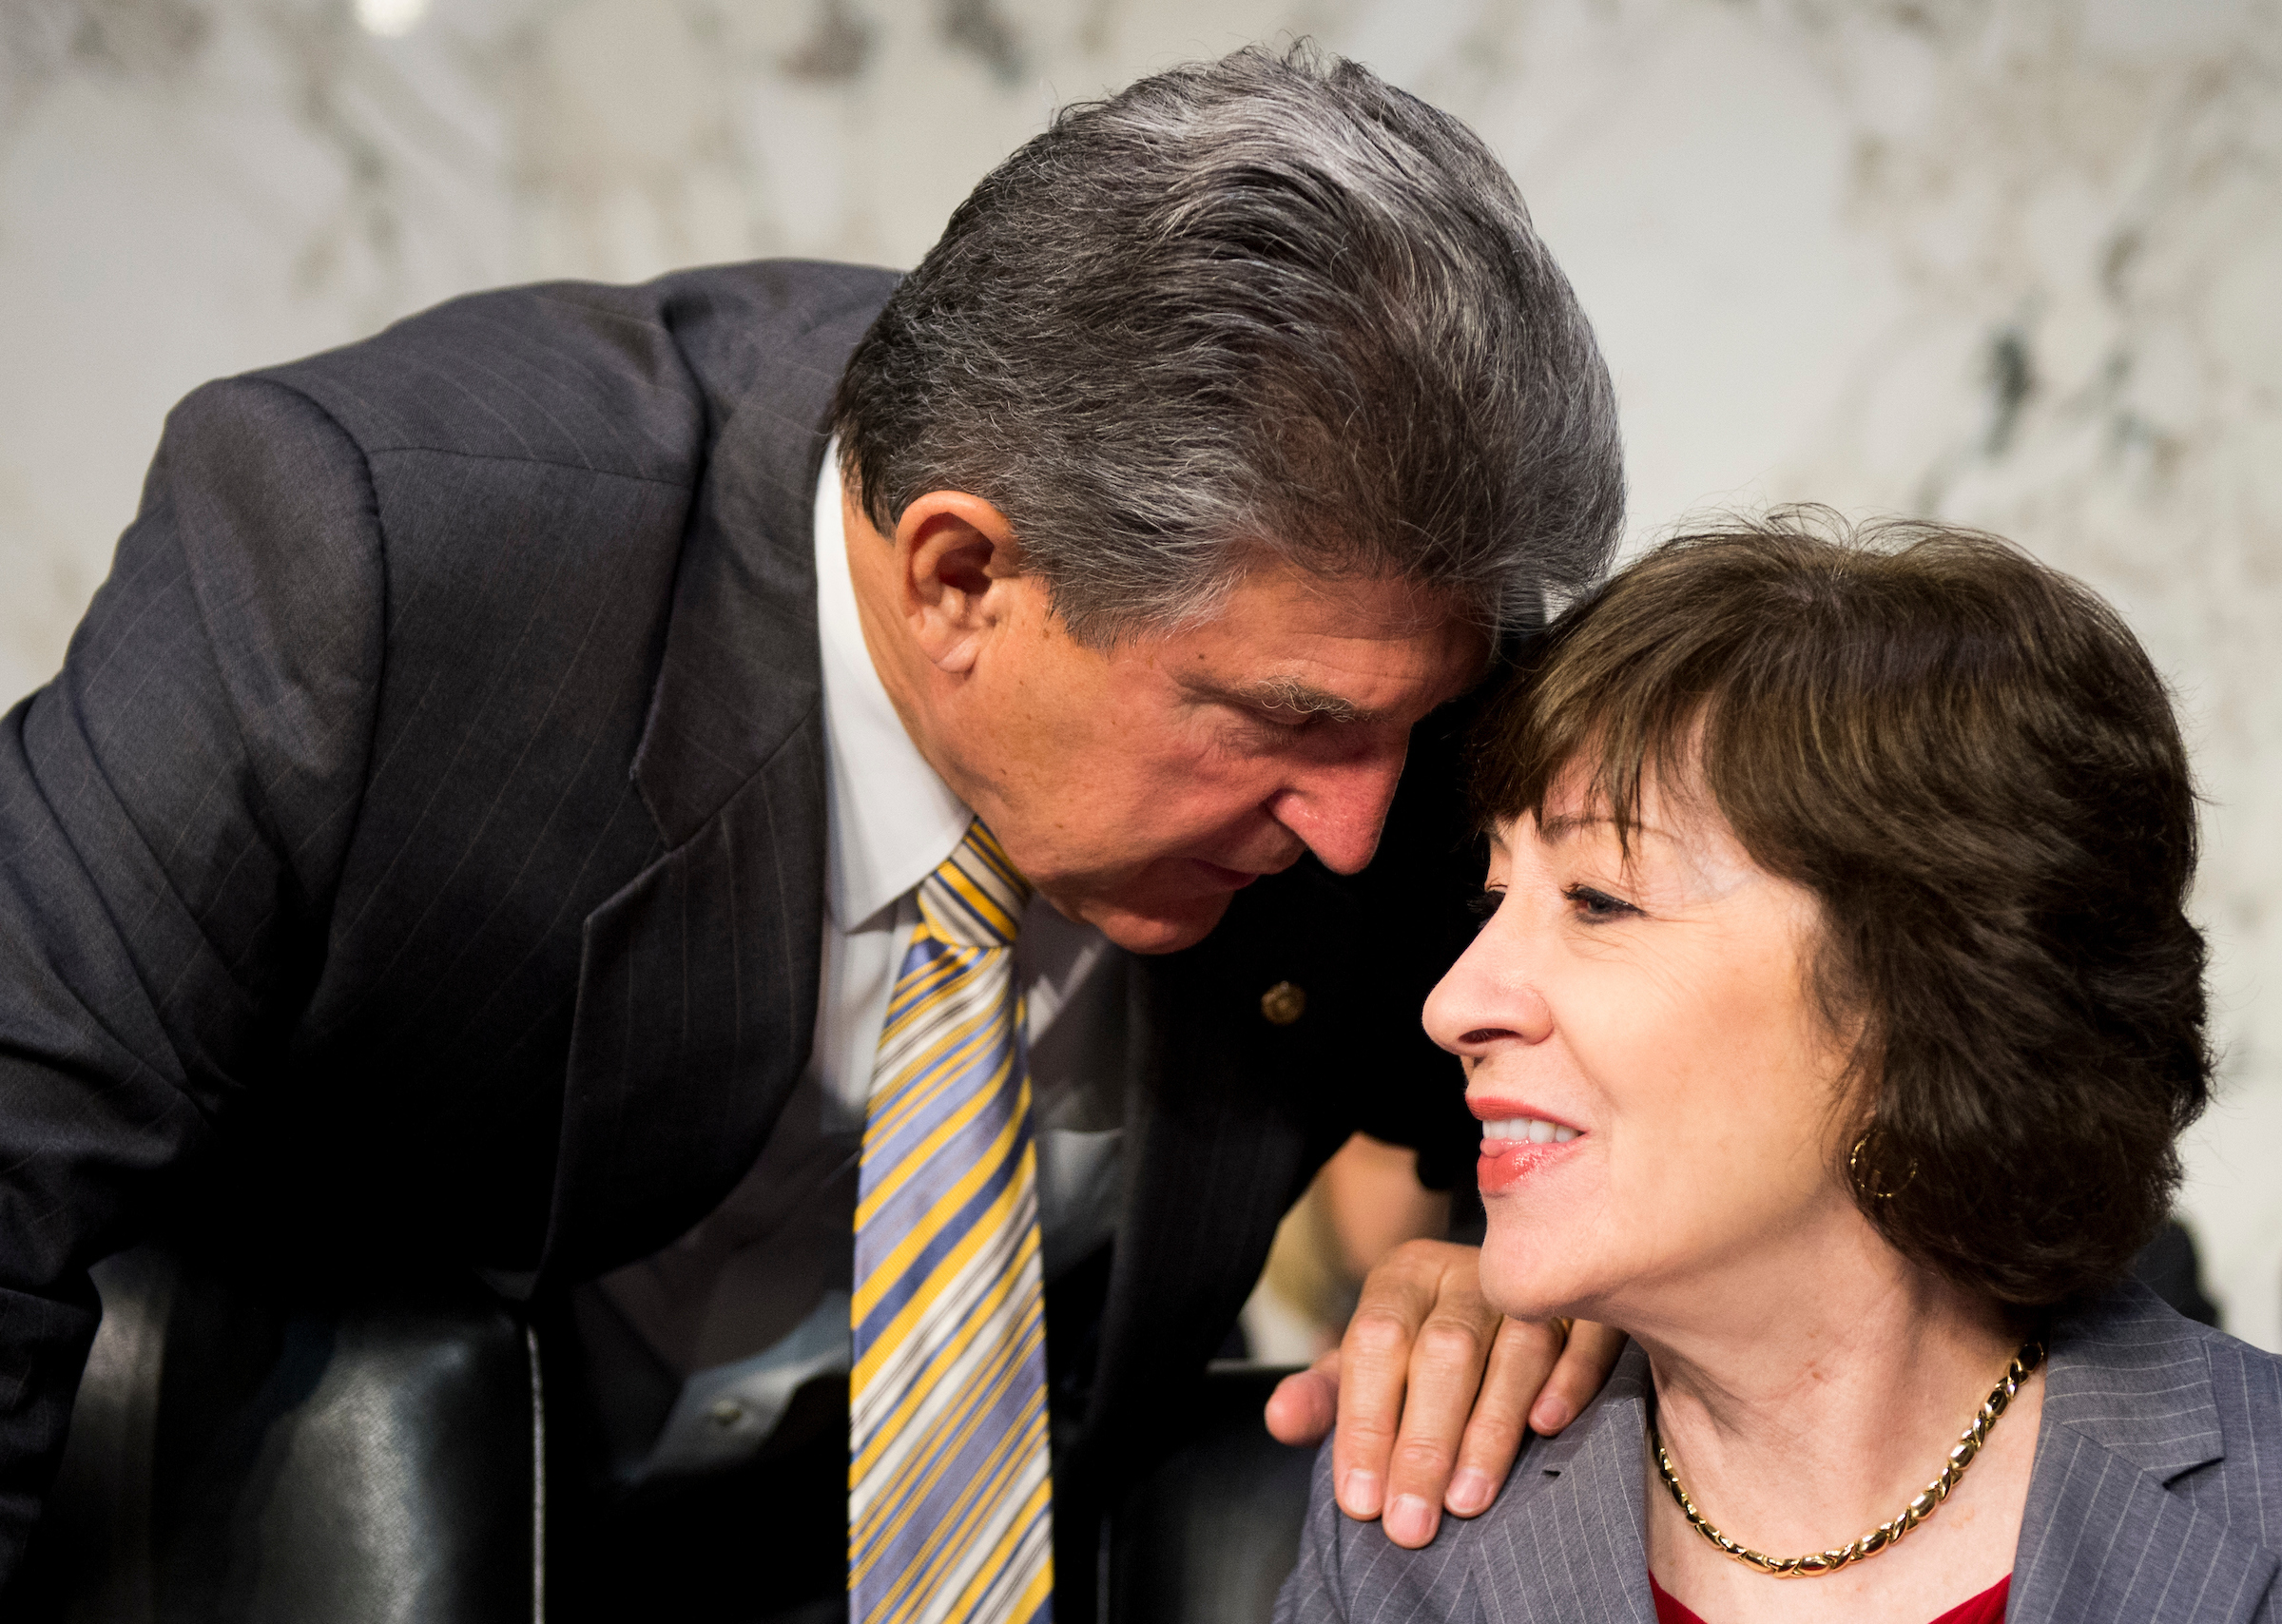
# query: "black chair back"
247 1452
287 1453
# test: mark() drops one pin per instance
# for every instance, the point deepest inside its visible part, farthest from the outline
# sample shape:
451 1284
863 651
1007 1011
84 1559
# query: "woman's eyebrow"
1551 829
1556 828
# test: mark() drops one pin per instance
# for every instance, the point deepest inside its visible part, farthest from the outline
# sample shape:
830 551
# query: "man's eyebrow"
1289 694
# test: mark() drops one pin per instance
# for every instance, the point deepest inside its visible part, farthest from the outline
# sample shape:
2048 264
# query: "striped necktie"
950 1512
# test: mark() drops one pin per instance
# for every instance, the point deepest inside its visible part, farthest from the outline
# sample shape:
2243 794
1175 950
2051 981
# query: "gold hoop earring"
1867 1185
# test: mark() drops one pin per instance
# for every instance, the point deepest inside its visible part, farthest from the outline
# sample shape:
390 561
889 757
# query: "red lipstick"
1513 1145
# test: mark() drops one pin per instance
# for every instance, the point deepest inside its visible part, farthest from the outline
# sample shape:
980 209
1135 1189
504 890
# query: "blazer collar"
1567 1539
2128 1410
2129 1374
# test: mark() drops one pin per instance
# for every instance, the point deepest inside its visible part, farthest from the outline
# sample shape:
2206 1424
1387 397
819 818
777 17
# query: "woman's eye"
1482 904
1598 905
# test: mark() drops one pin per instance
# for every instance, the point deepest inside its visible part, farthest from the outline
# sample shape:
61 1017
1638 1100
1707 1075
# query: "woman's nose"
1486 999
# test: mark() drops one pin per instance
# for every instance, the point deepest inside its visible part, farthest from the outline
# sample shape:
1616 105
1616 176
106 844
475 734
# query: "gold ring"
1560 1323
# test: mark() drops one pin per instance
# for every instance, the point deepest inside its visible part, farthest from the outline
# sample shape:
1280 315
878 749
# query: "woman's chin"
1545 1246
1524 1284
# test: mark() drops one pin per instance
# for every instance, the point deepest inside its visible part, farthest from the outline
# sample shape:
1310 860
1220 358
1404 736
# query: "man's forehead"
1275 595
1335 691
1326 662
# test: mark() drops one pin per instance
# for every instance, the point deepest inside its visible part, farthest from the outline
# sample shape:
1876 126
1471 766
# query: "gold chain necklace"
1885 1534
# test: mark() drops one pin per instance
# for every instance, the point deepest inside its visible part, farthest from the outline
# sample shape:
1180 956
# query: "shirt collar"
892 819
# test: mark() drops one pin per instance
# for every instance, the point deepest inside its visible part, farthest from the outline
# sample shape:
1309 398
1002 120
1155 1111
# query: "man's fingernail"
1361 1494
1470 1491
1410 1520
1550 1416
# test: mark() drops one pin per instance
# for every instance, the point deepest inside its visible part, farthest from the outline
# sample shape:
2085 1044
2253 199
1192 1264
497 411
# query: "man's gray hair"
1270 305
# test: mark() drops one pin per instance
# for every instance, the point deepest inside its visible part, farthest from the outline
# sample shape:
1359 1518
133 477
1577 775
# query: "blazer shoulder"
1350 1570
1564 1540
2158 1388
631 382
2246 1398
2247 1385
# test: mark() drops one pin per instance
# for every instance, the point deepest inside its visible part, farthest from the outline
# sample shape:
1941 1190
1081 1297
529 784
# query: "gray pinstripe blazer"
2157 1499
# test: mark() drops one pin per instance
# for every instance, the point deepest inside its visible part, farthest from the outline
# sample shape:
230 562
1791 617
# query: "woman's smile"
1517 1140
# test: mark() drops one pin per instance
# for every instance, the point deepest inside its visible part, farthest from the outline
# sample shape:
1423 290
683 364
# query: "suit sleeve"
174 807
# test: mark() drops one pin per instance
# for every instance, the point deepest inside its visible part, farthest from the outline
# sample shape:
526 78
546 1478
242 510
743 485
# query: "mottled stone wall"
2019 265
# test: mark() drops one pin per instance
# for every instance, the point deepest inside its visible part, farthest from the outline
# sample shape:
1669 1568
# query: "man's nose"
1339 808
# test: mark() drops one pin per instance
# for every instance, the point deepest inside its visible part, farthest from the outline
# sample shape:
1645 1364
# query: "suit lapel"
1213 1157
1566 1541
1228 1114
1213 1165
2128 1410
698 980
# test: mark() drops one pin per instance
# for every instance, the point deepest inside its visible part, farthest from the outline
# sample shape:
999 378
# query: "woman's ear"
953 553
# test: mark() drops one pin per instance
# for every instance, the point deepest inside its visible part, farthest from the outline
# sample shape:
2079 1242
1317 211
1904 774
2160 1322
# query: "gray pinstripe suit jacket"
2156 1498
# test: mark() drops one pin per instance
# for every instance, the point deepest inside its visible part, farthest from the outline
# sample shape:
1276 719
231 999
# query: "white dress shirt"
890 821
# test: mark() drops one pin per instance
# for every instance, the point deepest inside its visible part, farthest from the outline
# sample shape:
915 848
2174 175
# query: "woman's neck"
1798 1420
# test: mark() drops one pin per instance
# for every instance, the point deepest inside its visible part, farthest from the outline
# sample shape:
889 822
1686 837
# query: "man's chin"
1165 927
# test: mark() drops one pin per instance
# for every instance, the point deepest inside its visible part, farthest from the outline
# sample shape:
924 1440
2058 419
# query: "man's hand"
1431 1389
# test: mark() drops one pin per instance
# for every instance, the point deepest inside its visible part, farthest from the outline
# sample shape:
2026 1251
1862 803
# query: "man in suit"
524 800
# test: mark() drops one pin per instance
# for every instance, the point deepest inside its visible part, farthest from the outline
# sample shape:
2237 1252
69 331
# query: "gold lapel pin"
1283 1003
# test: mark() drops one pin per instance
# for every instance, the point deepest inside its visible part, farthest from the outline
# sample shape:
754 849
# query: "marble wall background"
2012 264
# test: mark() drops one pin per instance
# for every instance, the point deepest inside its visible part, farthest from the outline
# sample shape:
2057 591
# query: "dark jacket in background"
420 858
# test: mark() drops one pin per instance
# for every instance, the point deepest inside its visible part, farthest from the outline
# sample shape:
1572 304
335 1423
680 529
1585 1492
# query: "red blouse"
1987 1608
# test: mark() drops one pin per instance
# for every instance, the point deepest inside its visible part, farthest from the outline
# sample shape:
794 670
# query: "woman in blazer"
1833 1020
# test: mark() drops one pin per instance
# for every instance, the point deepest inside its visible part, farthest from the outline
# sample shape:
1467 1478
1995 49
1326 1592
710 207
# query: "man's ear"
953 553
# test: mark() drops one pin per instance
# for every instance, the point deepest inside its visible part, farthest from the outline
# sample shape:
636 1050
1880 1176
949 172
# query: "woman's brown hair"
1973 766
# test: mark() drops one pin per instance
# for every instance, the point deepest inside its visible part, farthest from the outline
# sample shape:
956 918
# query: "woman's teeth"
1535 1129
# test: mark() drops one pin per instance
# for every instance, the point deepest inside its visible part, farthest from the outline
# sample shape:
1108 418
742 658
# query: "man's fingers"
1446 1360
1521 1358
1306 1404
1375 1367
1583 1371
1433 1392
